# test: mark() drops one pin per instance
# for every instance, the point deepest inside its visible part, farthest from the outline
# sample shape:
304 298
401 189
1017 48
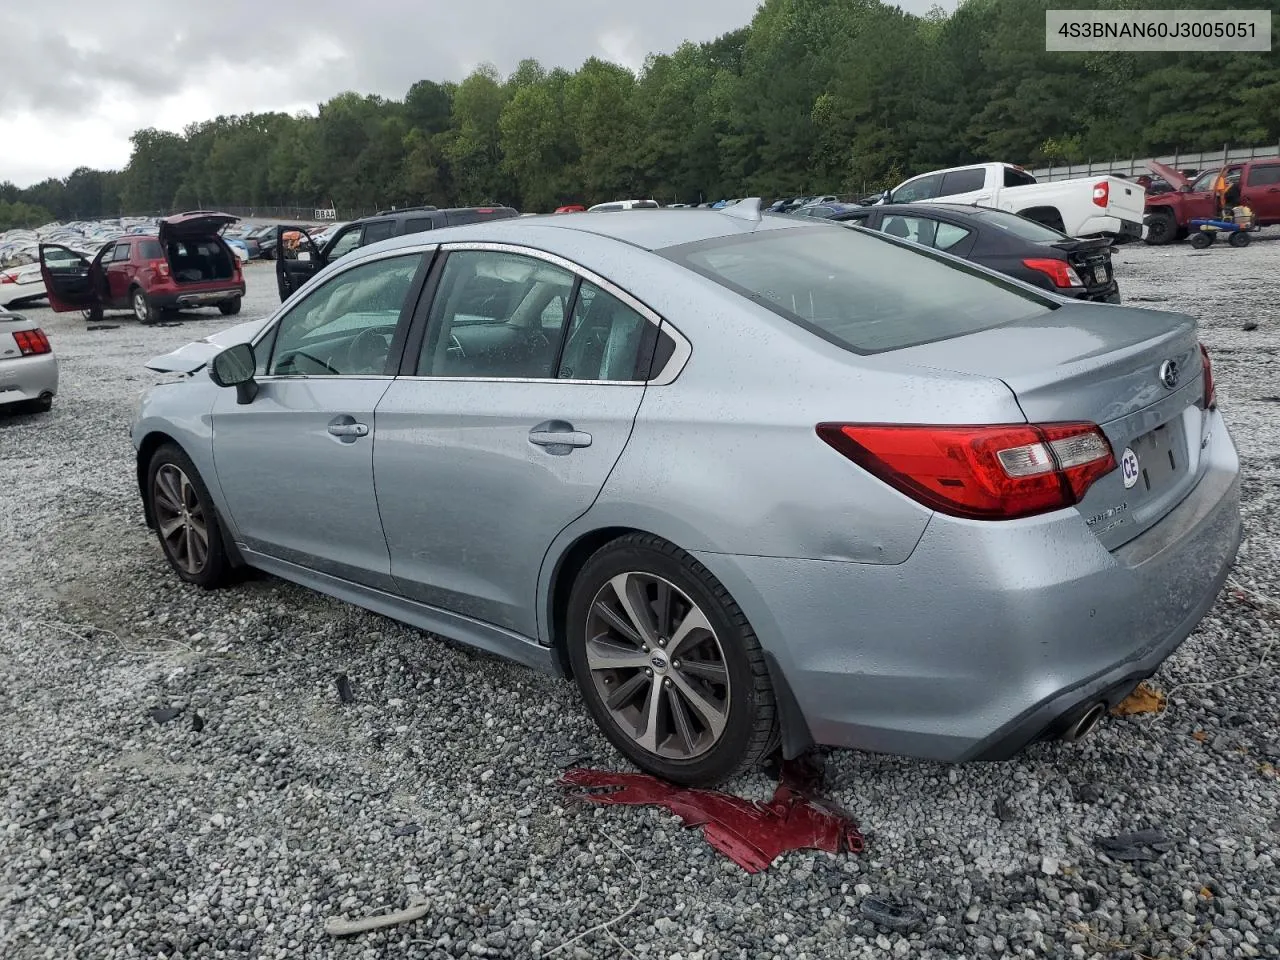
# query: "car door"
1261 191
521 384
118 273
68 278
1200 202
295 464
297 259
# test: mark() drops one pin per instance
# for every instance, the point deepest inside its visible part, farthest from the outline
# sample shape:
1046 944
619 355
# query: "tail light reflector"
1101 193
980 472
1059 271
1210 389
32 342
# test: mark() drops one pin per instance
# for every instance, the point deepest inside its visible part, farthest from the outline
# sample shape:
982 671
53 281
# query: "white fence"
1201 160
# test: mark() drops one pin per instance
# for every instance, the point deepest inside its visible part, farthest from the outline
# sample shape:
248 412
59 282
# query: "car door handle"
347 429
557 434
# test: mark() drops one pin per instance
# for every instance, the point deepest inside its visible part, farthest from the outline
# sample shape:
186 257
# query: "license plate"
1159 457
1099 274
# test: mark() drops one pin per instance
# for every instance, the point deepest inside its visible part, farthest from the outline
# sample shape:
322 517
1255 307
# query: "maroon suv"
186 263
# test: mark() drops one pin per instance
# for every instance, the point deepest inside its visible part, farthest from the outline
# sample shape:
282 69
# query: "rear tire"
41 404
143 309
1161 227
230 307
92 315
186 520
1202 240
681 687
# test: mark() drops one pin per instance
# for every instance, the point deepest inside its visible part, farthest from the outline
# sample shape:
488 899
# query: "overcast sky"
80 77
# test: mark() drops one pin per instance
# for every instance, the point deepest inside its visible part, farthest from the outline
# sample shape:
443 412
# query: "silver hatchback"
749 481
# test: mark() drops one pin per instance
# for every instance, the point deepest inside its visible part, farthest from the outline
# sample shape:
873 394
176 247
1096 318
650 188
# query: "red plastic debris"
750 834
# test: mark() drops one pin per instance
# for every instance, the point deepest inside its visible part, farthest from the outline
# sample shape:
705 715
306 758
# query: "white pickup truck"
1085 207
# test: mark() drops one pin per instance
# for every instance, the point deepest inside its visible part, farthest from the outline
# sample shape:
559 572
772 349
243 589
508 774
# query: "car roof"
646 229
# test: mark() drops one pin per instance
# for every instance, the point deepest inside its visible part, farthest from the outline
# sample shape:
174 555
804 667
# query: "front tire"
186 520
1161 227
230 307
143 309
668 665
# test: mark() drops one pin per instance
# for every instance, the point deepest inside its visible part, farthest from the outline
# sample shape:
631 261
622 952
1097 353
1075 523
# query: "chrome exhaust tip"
1084 726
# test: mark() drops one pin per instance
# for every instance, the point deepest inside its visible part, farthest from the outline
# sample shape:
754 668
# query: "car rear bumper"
1111 226
990 635
177 297
28 378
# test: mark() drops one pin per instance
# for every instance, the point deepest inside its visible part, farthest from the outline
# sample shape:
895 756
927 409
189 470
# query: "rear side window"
847 286
150 250
382 230
644 205
963 181
1017 178
418 224
121 253
1263 174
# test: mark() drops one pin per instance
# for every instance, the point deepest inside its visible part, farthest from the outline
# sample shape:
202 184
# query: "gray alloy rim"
658 666
139 305
180 518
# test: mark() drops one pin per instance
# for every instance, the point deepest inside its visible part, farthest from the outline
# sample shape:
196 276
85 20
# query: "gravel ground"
123 837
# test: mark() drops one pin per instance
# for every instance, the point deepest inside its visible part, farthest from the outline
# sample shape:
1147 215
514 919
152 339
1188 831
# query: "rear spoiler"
1078 244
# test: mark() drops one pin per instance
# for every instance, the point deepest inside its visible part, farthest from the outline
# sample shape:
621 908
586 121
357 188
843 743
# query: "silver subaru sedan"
751 482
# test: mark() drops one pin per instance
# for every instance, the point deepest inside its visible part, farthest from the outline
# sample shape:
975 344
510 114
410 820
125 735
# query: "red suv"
185 264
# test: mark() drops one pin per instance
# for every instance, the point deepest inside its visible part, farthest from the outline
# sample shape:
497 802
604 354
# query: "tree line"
832 96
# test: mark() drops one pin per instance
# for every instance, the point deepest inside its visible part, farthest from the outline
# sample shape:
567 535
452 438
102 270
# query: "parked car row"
567 440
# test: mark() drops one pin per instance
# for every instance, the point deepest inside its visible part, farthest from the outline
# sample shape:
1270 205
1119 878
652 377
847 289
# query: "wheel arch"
794 731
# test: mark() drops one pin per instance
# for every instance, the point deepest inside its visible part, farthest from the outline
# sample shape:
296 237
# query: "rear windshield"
859 290
1019 226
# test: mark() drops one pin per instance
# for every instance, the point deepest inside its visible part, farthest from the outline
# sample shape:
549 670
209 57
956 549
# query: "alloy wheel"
180 518
140 306
658 666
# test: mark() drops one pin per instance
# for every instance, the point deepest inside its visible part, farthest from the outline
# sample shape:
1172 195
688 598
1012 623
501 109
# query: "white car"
1084 207
21 284
28 367
624 205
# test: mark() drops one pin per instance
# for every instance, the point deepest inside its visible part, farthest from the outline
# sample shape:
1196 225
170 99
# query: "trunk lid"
1126 199
1110 366
1091 259
198 224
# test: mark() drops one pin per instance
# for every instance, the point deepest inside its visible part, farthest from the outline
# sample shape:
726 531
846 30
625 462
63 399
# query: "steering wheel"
368 351
455 348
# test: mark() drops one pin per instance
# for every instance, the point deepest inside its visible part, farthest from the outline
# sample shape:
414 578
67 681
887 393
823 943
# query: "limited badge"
1129 467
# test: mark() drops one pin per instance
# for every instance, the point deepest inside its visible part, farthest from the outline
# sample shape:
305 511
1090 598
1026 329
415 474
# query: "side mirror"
234 367
886 196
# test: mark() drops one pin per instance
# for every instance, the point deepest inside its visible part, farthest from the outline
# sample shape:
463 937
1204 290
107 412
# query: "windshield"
1020 226
859 290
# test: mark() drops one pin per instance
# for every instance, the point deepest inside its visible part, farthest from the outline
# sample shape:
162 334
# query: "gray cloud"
76 59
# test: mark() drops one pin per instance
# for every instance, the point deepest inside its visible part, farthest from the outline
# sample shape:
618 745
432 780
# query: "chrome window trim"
674 365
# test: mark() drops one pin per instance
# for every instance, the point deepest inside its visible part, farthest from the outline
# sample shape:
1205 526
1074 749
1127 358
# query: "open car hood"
196 354
1170 176
198 223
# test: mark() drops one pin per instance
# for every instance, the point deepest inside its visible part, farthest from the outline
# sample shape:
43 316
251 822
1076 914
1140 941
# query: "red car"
572 208
185 264
1256 184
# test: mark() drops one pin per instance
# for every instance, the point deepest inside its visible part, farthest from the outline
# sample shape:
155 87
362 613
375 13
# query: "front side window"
345 327
922 188
846 286
382 230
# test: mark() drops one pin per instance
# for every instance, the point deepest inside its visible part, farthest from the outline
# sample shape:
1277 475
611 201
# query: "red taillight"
161 267
32 342
982 473
1059 271
1210 390
484 210
8 278
1101 193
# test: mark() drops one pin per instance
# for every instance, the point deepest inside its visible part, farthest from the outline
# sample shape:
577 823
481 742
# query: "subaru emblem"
1169 373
